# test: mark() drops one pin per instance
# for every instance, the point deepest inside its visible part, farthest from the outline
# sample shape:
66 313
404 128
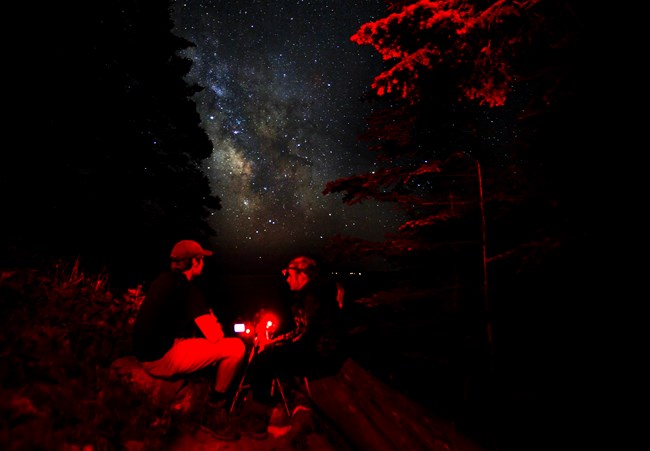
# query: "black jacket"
318 326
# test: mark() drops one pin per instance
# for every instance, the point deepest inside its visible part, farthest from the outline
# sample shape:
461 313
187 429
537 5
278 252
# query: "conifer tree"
481 139
472 127
108 165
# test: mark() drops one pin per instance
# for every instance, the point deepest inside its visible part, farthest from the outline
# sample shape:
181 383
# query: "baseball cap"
187 249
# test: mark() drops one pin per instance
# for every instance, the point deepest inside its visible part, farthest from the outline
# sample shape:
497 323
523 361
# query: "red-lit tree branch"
447 63
477 40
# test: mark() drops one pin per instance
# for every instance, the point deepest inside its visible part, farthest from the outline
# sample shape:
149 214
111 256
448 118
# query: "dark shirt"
317 328
167 312
313 347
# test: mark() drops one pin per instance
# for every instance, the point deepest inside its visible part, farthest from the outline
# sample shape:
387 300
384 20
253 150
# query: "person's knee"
237 348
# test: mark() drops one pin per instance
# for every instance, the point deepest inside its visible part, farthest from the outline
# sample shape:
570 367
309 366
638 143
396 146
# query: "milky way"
282 107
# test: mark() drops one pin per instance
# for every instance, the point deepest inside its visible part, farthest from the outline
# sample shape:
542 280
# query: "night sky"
282 107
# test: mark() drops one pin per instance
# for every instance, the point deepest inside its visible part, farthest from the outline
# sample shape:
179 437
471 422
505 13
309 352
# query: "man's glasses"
285 272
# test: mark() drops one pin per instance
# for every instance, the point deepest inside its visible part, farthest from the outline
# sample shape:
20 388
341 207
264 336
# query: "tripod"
243 384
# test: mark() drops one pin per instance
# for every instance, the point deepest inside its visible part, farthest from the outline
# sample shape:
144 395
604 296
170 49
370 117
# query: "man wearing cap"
176 333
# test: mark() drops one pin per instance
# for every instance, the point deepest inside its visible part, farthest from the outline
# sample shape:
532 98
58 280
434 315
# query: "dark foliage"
62 328
107 147
475 123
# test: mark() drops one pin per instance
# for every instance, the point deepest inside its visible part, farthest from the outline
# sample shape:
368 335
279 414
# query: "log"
375 417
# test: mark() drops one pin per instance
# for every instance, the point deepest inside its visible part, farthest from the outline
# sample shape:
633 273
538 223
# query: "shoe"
219 425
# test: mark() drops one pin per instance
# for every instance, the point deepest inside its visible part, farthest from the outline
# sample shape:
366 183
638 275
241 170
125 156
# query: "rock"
183 395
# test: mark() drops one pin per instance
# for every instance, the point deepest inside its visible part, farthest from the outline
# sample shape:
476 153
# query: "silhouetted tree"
108 141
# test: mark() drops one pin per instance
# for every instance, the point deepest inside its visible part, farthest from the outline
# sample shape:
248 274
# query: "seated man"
312 348
176 333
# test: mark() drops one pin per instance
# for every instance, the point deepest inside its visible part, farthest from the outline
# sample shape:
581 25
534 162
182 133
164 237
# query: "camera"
260 329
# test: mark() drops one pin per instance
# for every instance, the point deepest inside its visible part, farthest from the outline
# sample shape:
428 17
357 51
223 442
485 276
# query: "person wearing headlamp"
311 348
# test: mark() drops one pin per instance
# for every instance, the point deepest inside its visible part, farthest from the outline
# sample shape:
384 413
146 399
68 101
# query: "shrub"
62 328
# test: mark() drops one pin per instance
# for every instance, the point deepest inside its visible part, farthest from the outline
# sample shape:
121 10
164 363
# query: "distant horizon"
235 262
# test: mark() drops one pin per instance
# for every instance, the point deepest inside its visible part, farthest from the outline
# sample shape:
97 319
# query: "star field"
281 106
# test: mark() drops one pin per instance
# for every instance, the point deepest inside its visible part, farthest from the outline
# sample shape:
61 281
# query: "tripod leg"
241 385
276 381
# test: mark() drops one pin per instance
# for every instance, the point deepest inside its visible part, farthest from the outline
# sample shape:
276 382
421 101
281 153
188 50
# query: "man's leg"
192 354
230 365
